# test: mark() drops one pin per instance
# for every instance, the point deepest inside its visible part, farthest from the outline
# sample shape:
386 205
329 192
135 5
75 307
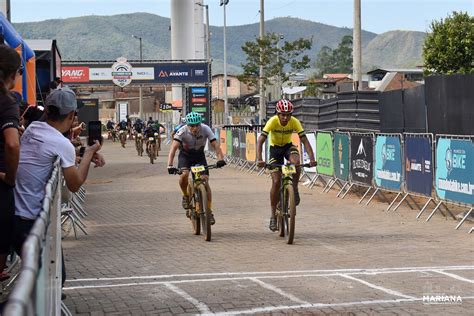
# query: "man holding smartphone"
41 144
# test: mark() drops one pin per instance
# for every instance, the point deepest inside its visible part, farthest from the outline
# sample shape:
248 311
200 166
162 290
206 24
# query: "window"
228 83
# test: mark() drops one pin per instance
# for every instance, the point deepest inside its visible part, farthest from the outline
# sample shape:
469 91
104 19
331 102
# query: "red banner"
75 74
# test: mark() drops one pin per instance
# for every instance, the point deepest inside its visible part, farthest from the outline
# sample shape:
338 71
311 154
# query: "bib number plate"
197 169
288 169
151 138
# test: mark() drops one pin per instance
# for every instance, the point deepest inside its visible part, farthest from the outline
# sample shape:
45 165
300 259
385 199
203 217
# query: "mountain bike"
139 143
151 147
199 213
123 137
286 209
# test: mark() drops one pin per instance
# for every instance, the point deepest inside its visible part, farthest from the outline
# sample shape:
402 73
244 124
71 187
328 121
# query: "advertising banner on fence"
235 143
251 146
455 170
242 143
362 159
229 139
264 148
418 165
223 141
312 140
388 162
324 154
341 156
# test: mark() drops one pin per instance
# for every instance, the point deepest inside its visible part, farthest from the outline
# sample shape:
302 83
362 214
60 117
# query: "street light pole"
226 104
262 113
140 98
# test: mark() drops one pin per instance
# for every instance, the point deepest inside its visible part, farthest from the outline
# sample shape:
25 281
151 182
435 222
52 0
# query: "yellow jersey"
281 135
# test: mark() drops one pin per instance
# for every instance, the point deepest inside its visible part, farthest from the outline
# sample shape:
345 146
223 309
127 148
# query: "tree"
275 59
449 47
337 60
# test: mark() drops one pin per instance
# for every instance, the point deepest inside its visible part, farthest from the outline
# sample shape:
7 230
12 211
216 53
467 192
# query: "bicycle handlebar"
180 170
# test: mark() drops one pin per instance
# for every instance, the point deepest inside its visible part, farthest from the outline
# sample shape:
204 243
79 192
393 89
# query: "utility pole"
226 102
262 113
140 98
357 56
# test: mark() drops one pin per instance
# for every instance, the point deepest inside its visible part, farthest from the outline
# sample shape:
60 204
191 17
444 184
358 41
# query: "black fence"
444 105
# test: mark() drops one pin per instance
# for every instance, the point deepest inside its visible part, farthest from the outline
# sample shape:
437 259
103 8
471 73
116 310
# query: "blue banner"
388 162
418 165
454 180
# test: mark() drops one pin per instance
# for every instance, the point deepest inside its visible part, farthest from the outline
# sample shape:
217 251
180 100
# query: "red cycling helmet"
284 106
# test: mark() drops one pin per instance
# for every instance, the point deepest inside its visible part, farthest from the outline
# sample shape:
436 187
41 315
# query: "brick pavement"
138 233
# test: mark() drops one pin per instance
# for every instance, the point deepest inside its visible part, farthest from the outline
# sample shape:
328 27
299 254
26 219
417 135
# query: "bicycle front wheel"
290 213
205 212
194 205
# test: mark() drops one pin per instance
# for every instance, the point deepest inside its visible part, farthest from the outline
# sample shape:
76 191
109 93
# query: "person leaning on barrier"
41 144
10 69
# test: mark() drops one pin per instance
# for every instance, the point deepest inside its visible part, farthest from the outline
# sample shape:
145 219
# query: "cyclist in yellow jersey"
280 127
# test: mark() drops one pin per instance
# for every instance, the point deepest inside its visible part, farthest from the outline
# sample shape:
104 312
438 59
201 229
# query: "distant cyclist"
183 123
191 140
122 128
280 127
138 126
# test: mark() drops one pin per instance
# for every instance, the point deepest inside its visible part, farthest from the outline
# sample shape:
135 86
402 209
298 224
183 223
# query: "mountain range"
108 37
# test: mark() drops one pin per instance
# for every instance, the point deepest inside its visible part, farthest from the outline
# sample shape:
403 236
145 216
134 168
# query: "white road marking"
279 291
203 308
320 305
380 288
454 276
344 271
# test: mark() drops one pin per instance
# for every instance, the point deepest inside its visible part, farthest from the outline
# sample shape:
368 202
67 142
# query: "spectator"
10 68
41 144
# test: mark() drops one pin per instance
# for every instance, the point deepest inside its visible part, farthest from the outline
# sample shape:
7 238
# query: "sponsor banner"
264 148
454 179
199 102
362 159
121 72
156 73
75 74
418 165
388 172
251 146
166 107
182 73
235 143
341 156
312 140
229 143
223 141
324 154
123 111
242 144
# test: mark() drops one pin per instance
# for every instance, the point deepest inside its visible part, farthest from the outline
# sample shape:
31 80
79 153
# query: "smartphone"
95 132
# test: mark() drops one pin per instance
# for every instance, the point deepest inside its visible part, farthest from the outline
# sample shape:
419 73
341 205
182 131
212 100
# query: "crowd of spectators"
30 143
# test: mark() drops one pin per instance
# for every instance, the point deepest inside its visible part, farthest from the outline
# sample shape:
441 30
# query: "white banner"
139 73
312 140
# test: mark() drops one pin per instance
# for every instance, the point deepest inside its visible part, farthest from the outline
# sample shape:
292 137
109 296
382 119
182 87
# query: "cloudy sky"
378 16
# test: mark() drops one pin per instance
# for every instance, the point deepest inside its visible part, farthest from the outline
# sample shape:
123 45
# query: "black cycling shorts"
279 153
7 212
186 160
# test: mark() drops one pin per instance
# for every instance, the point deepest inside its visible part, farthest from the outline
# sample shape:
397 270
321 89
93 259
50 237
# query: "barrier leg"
471 230
313 181
329 187
342 189
373 195
348 189
261 172
464 218
365 194
399 203
396 197
432 213
64 310
424 207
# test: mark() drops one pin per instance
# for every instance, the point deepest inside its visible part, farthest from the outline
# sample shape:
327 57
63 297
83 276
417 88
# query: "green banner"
229 142
341 156
324 154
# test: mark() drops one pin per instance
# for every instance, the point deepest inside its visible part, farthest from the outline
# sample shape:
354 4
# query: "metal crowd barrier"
402 164
37 289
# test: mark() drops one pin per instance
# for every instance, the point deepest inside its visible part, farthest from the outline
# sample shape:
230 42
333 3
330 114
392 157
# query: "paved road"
141 258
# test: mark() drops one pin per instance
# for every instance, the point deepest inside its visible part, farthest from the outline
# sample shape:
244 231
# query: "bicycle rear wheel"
205 212
193 206
290 213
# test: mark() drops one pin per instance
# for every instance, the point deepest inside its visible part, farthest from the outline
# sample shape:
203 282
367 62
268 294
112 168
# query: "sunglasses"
193 125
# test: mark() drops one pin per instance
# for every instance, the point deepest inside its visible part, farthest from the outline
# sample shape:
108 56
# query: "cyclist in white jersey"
191 140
